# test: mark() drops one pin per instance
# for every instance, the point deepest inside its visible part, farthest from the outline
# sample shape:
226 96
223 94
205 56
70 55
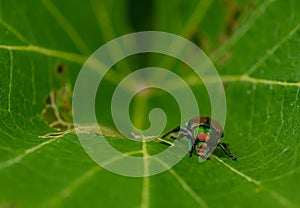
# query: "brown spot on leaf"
58 111
60 68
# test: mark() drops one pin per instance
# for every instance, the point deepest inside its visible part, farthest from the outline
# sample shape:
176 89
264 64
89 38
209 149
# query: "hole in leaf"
58 111
60 68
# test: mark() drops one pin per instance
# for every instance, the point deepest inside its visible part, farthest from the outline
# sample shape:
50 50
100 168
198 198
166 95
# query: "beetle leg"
173 137
177 129
193 149
223 147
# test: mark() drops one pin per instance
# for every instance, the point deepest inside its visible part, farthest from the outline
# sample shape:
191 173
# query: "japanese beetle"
203 134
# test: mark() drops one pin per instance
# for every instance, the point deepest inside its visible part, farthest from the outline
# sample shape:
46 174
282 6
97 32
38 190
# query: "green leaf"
254 46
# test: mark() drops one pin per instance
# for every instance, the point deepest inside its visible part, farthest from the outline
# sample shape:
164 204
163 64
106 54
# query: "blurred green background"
255 48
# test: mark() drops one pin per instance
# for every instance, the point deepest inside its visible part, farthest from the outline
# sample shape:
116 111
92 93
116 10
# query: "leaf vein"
242 31
275 195
184 185
13 31
105 26
63 22
10 79
145 189
76 58
195 19
245 78
270 52
27 152
67 191
33 83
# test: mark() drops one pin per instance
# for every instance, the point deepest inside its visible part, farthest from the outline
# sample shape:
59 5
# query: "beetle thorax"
203 137
202 133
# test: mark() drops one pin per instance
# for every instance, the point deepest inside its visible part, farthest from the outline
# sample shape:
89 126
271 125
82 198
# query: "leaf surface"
43 45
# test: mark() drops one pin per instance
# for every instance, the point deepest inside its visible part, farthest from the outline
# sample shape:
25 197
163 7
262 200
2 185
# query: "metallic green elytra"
203 134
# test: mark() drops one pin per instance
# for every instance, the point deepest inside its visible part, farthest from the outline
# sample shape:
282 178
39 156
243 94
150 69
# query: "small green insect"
202 133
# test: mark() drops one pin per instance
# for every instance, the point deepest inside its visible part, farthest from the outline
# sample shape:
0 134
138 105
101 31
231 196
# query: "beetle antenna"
177 129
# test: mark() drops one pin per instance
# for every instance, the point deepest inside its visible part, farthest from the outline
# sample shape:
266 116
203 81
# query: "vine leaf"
258 60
